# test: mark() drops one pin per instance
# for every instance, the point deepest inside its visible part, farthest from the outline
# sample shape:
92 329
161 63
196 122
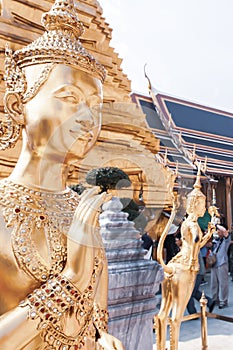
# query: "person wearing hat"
147 245
170 245
219 272
197 294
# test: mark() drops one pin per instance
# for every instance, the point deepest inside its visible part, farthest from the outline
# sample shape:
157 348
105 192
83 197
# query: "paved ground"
220 333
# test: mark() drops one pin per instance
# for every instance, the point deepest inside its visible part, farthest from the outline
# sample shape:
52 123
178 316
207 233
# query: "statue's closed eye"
68 96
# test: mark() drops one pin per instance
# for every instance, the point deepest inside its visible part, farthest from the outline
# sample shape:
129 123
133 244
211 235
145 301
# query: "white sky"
187 45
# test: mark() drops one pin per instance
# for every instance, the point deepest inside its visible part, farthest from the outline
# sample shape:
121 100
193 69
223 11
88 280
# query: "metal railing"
203 315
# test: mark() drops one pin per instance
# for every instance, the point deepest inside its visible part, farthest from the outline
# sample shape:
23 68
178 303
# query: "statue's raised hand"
83 238
108 342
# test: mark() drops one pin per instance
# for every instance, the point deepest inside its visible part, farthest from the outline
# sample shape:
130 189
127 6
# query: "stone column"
133 280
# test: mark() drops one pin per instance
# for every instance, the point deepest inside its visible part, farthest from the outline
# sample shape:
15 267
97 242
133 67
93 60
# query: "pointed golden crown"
196 192
59 44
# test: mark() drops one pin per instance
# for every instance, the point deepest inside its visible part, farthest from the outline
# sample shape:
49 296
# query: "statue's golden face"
63 119
196 205
201 206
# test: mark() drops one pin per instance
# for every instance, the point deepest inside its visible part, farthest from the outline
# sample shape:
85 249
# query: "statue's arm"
208 235
194 247
47 305
16 329
101 301
44 306
23 323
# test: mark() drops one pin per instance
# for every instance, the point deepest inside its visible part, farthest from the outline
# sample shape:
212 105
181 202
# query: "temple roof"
189 131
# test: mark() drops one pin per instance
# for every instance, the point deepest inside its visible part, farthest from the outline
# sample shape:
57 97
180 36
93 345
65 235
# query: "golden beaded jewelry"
28 210
56 297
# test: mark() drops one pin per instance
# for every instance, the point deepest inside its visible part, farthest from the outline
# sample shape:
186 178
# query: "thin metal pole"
204 335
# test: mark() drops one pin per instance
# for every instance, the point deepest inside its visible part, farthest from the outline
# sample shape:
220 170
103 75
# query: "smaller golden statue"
213 210
180 272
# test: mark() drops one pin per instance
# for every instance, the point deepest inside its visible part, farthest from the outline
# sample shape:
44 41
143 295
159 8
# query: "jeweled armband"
100 318
51 300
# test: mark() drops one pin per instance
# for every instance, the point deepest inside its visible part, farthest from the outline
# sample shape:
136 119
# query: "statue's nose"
84 117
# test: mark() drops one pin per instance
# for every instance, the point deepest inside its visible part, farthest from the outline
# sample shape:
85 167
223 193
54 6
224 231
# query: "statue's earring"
9 133
11 126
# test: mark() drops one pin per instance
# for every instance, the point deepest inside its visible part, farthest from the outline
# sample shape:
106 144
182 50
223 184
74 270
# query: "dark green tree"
108 178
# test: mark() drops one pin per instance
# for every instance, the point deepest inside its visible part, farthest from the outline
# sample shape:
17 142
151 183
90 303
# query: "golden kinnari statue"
52 264
180 272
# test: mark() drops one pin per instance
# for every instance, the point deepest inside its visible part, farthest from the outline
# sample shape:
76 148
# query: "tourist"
147 244
197 294
219 272
170 244
230 254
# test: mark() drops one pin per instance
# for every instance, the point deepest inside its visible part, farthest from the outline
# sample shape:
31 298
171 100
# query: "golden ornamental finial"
198 178
214 202
194 152
196 192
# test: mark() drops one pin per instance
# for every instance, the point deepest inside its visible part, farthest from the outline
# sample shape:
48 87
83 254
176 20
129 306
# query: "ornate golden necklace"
27 210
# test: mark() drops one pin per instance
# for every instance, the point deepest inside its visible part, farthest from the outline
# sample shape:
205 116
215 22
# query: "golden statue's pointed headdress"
59 44
196 192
